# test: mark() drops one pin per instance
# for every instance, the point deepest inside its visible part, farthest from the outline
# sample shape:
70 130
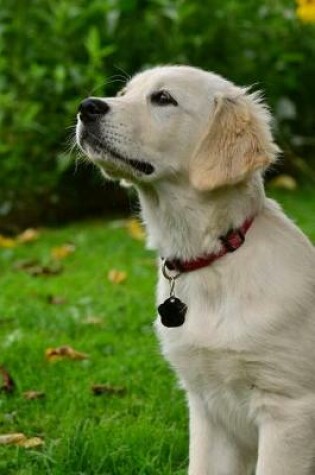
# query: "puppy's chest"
203 369
200 349
222 381
210 350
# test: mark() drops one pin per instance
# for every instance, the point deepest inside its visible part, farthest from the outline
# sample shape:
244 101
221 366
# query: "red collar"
230 243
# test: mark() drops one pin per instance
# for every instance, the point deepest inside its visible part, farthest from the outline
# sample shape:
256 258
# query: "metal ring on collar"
166 274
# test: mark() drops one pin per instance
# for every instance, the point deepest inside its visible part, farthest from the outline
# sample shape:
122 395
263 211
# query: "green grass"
142 432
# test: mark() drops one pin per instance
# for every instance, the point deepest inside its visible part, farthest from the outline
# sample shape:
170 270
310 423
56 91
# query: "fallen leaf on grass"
56 299
93 321
135 229
117 276
26 236
25 264
21 440
31 395
61 252
11 438
29 235
63 352
99 389
35 268
6 242
31 443
286 182
46 269
8 383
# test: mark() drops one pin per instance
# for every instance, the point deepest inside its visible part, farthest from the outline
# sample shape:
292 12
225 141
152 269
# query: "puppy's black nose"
90 109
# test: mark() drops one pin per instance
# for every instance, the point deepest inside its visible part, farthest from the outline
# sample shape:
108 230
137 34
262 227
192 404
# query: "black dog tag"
172 312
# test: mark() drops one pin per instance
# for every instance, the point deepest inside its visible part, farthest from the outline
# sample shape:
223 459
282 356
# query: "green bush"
53 53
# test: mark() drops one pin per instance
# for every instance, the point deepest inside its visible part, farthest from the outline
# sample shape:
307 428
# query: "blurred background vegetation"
53 53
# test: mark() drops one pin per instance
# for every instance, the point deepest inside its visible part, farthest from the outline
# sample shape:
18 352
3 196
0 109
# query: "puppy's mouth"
100 147
143 167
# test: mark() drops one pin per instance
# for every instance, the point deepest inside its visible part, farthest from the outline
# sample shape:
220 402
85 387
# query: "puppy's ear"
237 142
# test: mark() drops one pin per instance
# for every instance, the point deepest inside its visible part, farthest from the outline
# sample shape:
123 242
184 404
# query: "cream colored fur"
246 352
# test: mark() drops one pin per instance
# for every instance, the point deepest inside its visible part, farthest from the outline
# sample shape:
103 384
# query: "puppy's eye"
163 98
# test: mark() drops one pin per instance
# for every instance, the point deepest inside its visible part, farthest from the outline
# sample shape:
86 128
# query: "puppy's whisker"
125 75
111 80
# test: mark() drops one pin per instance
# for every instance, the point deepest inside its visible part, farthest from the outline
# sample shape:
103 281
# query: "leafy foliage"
52 54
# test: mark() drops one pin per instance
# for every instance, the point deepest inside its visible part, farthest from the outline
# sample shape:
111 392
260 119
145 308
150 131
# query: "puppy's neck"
183 223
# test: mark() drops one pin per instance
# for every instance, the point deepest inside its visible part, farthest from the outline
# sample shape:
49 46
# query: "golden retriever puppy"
236 284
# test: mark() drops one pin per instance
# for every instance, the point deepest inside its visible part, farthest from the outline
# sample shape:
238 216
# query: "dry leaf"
99 389
63 352
29 235
6 242
31 395
30 443
135 229
35 268
8 383
46 270
52 268
116 276
21 440
56 299
25 264
11 438
286 182
61 252
93 321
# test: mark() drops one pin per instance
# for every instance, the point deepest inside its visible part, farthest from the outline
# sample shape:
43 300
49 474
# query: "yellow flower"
306 11
7 242
303 3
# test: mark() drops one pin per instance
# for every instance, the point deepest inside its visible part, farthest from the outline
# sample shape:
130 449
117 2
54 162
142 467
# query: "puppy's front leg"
211 452
287 448
199 437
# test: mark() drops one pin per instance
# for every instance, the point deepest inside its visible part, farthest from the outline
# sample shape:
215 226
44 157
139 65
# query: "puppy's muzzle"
92 109
90 112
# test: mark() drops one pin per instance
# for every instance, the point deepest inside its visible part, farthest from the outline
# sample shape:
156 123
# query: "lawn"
138 425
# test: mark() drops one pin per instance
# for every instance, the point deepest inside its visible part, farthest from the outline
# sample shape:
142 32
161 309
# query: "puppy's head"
177 121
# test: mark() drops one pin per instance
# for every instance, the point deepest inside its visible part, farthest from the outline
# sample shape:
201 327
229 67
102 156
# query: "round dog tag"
172 312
